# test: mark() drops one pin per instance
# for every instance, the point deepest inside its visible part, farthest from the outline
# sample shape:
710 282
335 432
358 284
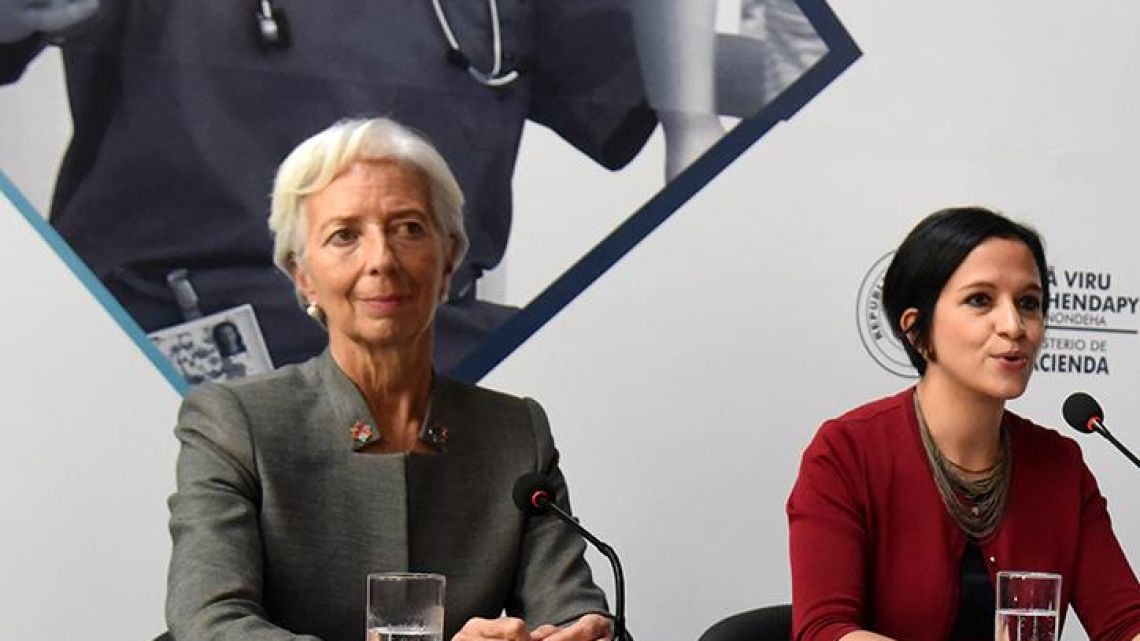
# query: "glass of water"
1028 605
405 606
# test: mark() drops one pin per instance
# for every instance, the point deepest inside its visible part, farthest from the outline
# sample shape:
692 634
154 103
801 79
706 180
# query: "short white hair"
318 161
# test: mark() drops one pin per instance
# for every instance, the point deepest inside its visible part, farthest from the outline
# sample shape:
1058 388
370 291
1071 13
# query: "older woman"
294 485
906 508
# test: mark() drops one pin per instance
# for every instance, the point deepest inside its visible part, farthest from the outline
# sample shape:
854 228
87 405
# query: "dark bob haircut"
931 253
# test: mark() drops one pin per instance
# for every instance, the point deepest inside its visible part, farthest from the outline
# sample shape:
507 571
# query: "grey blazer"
277 519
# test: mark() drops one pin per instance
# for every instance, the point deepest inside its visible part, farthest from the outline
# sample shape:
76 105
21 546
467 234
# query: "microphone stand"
1103 431
544 502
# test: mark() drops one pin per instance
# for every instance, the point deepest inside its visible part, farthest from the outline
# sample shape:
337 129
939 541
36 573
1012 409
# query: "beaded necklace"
975 505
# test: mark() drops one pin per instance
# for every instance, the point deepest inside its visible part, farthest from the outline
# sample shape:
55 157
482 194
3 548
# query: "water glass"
405 606
1028 605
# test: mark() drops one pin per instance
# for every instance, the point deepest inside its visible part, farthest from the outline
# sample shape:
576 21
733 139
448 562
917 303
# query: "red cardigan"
873 547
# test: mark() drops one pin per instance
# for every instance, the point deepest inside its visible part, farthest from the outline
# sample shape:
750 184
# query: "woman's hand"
591 627
505 628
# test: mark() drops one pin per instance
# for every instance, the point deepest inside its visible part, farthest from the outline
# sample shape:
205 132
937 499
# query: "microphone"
533 494
1083 414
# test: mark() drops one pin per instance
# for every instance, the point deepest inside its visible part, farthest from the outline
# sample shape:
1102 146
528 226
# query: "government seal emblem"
874 328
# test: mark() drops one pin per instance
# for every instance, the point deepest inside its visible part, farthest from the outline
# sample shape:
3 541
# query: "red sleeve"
1106 595
829 539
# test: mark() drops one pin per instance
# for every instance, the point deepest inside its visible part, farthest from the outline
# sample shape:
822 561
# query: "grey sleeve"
554 583
214 586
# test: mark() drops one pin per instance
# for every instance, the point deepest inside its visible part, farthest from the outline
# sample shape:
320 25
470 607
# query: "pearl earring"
314 312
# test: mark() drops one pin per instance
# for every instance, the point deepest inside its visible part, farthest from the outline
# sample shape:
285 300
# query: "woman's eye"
1030 303
978 300
342 237
410 229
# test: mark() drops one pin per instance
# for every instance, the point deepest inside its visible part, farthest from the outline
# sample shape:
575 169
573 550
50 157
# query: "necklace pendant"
975 510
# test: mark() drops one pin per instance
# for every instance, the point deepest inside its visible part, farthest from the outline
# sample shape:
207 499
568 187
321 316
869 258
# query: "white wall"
682 385
87 457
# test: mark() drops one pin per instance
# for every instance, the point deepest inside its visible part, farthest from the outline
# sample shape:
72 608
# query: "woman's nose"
379 253
1010 321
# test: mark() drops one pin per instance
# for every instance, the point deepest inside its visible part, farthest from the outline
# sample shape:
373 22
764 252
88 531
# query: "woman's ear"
907 321
445 284
448 270
448 267
301 278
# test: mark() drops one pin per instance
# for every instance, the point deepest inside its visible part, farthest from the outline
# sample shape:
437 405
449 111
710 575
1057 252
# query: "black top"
975 618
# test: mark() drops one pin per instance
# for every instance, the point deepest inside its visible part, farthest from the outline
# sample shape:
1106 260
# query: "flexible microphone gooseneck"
1083 414
532 495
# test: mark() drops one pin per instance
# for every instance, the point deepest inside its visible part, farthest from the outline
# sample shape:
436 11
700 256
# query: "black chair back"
772 623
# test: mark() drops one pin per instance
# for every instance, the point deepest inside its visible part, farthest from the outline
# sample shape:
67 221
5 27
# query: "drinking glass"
1028 605
405 606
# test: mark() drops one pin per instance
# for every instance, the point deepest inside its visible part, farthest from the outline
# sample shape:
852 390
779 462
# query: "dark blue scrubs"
180 121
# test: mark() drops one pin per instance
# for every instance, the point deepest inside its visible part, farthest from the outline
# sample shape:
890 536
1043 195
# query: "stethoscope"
271 28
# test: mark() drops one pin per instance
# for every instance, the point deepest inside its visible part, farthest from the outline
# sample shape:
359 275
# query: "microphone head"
1082 412
531 493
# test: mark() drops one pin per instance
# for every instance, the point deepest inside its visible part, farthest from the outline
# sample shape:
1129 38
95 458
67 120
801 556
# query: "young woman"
906 508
